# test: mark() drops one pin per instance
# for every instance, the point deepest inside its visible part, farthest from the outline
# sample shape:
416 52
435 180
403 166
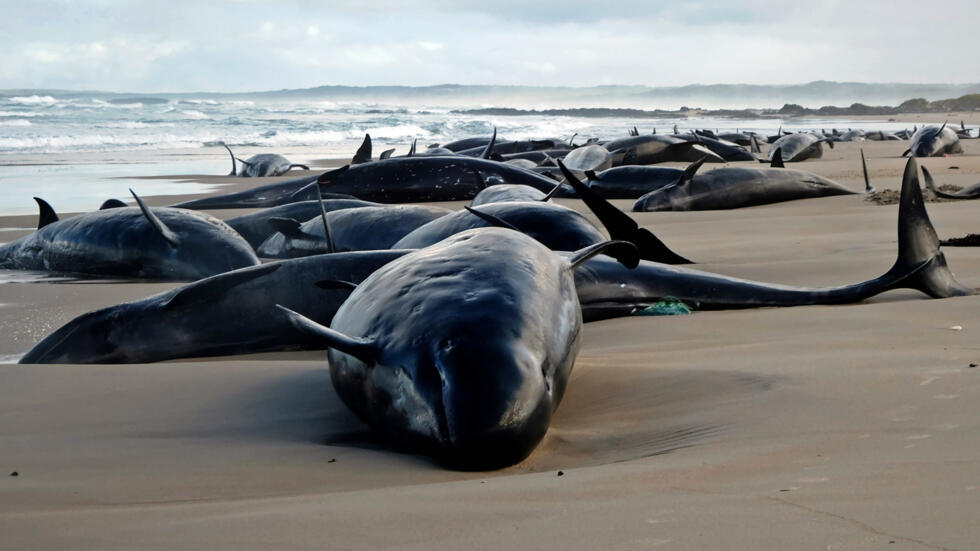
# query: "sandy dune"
823 427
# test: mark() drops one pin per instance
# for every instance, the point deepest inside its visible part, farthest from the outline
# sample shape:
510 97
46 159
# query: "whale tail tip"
919 254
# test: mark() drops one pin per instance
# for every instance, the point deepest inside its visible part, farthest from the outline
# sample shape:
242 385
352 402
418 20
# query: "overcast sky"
242 45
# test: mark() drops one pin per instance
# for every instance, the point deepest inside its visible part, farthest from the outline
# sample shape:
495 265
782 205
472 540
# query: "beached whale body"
799 147
269 195
653 148
850 136
882 136
934 141
589 157
502 193
630 182
728 151
162 243
970 192
502 147
557 227
261 165
418 179
461 350
362 229
606 290
736 187
255 227
230 313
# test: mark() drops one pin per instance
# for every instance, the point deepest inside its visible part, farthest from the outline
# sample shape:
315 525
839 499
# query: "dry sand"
823 427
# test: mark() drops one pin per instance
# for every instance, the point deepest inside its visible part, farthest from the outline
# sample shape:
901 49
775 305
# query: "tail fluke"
932 191
918 245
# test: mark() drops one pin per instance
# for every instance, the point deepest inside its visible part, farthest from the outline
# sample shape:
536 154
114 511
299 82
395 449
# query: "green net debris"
667 306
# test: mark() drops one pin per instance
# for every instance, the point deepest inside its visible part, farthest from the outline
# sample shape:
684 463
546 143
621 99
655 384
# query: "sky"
251 45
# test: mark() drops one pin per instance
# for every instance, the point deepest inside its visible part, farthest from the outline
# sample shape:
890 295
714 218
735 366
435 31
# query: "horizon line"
532 86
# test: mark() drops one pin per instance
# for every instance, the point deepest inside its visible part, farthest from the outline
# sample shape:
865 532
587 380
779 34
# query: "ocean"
47 128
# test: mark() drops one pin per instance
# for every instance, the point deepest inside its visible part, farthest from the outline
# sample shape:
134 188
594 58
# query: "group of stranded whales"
449 332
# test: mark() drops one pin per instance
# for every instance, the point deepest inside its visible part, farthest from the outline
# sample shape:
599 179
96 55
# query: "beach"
830 427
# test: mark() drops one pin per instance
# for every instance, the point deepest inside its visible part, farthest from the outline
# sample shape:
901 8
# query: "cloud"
430 46
233 45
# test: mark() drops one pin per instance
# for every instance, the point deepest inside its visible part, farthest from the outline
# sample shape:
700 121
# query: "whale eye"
446 344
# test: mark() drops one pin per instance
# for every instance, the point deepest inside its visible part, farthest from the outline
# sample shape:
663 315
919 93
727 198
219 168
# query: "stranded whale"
158 243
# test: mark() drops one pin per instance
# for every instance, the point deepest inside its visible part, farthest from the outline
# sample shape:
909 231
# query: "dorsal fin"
690 171
940 131
490 219
654 130
207 289
906 152
755 145
591 175
363 154
931 191
623 251
571 141
326 177
684 148
777 159
306 193
477 179
234 168
156 223
334 284
365 350
411 150
290 227
619 224
111 204
327 234
46 214
551 193
488 150
868 188
386 153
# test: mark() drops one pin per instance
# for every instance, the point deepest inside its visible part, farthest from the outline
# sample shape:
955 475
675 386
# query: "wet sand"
831 427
